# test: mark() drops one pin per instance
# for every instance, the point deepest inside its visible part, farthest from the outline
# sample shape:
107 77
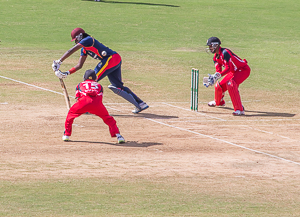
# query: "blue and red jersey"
95 49
229 60
88 88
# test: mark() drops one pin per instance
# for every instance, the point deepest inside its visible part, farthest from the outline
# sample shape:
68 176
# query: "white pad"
125 95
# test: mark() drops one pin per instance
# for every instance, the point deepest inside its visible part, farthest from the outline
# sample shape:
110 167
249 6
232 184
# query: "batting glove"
213 78
56 64
61 74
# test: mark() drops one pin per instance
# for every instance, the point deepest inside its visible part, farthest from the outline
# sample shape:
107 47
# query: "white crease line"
221 140
52 91
195 112
77 125
264 131
113 108
171 125
31 85
186 102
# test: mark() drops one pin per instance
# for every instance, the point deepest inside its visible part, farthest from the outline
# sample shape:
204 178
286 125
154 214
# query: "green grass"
160 41
165 34
113 197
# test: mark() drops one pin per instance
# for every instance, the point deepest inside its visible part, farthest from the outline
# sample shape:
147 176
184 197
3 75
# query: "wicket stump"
194 89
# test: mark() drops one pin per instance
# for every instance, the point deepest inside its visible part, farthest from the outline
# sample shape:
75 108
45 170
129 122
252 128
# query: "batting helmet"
213 40
89 74
75 32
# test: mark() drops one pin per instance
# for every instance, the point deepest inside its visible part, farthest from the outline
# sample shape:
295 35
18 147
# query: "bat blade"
65 92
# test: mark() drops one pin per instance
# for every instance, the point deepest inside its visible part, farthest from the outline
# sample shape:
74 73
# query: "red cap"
76 32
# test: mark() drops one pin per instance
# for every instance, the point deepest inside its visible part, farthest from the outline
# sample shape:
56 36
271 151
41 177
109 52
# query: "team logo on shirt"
92 54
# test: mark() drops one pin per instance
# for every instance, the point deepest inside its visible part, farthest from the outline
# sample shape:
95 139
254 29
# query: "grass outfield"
159 41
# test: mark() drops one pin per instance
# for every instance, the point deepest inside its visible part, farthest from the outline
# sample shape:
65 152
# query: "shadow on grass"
135 3
263 113
126 144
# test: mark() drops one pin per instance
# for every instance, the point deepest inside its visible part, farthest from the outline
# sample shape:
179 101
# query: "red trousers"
231 82
239 76
94 106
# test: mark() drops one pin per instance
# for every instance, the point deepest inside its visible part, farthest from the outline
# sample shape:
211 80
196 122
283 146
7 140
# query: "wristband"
72 70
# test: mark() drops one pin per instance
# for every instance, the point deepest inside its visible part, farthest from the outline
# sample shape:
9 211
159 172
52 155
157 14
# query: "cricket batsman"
89 96
235 72
109 65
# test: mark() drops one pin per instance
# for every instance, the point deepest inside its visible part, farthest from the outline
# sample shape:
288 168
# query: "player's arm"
56 63
79 65
77 92
80 62
226 60
70 52
218 66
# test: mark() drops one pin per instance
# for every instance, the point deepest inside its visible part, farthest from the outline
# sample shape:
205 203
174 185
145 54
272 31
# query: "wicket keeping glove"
213 78
56 64
61 74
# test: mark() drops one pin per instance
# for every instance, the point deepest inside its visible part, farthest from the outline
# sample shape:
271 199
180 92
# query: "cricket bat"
65 92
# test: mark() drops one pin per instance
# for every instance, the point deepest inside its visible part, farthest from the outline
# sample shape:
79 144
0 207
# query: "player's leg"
75 111
107 66
114 75
117 87
220 89
240 76
219 95
111 67
235 97
99 109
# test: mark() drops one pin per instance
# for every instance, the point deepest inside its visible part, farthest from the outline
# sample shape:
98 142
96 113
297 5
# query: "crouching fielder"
235 72
89 99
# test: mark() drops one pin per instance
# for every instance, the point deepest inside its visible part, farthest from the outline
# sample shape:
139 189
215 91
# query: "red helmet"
75 32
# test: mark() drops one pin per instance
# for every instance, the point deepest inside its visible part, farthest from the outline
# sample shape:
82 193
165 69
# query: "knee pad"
124 94
127 90
218 94
234 95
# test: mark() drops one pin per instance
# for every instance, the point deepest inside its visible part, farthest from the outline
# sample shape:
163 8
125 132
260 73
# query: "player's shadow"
135 3
263 113
146 115
126 144
137 144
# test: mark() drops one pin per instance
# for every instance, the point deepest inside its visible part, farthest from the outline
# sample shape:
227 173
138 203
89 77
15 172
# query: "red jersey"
88 88
227 59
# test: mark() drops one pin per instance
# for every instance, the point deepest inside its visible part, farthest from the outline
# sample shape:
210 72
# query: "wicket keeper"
235 72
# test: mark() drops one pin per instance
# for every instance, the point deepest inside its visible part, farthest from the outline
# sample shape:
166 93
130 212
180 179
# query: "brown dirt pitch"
258 153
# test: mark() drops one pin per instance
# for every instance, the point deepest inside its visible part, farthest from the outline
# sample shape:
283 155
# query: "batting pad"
124 95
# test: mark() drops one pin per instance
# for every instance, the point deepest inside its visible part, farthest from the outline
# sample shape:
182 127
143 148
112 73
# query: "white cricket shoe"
213 103
238 112
65 138
142 105
120 139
